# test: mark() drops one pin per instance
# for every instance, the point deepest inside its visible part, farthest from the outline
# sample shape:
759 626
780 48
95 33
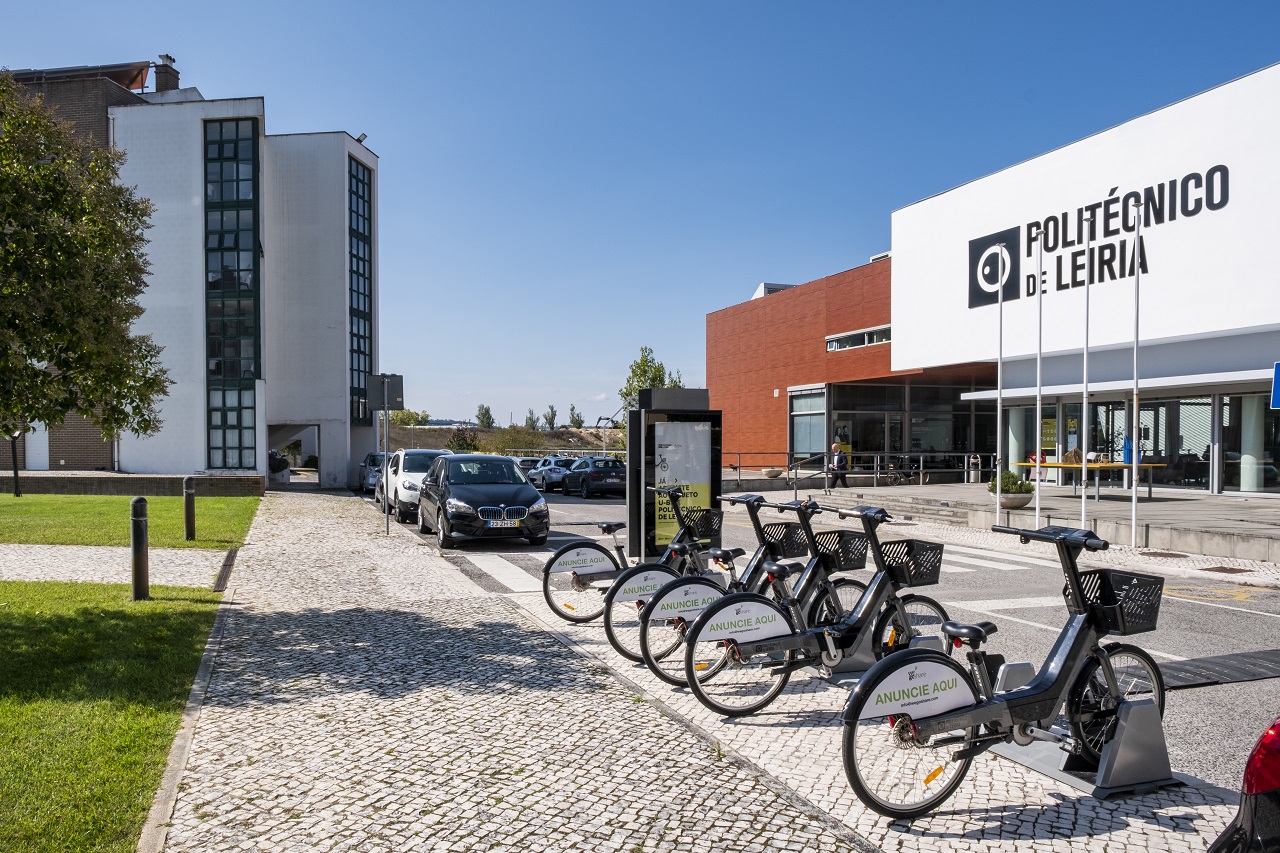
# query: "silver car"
370 472
549 473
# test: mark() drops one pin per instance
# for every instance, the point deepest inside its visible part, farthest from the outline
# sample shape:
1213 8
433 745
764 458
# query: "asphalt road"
1209 730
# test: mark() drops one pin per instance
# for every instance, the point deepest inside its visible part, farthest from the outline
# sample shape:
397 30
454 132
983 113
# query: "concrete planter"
771 473
1008 501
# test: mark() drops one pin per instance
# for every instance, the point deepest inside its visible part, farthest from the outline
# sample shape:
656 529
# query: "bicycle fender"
743 617
920 683
639 583
683 597
583 558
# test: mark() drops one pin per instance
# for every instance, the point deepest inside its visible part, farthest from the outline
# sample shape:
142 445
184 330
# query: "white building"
1203 178
263 285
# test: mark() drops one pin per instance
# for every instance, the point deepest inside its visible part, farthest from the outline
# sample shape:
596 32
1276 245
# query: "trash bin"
975 469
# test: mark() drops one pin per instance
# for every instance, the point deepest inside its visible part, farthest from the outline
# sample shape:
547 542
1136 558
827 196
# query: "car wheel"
423 527
586 489
395 503
443 539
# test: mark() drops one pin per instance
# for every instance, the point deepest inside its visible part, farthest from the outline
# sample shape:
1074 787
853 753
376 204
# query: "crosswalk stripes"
505 572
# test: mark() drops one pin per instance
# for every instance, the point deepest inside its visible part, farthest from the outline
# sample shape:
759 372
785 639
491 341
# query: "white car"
549 473
404 480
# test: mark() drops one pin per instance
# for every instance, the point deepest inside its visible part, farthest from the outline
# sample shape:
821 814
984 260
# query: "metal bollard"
189 506
138 549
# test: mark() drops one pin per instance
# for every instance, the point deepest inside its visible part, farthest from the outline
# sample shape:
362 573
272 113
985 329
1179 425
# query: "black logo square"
993 260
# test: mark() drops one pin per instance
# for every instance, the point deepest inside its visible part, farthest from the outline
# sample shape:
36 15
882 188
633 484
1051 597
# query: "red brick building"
797 370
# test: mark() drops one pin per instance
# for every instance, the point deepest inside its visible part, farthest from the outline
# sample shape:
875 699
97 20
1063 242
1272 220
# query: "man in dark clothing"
839 466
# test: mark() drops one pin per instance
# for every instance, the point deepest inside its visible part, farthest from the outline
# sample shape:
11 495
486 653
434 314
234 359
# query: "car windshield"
373 460
481 473
417 463
609 464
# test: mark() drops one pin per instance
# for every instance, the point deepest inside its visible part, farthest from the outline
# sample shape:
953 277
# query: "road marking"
1223 606
1022 558
1185 592
986 564
505 572
948 570
1013 603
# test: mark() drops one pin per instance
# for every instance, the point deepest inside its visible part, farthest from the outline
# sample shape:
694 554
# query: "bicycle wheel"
889 769
1092 708
720 673
665 620
624 600
849 592
925 617
575 580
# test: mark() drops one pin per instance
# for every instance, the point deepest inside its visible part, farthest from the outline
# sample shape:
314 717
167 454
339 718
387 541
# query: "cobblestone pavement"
103 564
369 697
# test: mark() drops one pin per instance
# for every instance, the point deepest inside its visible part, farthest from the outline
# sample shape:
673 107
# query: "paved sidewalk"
369 697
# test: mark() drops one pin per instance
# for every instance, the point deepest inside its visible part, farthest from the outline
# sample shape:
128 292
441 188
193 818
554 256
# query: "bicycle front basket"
844 549
913 562
1123 602
785 540
703 523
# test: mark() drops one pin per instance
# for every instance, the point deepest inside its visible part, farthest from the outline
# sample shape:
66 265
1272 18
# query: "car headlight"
455 505
539 507
410 485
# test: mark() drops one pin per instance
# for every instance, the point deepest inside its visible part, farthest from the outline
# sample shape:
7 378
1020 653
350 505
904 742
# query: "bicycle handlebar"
669 491
1086 539
741 499
874 513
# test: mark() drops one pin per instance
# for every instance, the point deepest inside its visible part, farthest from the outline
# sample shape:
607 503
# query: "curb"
156 829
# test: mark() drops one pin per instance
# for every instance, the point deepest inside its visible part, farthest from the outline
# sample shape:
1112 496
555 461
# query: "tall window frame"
360 304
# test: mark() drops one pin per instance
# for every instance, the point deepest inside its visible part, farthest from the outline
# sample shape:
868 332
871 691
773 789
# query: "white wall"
165 149
1208 274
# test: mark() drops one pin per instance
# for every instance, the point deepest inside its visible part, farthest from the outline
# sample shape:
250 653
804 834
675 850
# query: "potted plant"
1015 492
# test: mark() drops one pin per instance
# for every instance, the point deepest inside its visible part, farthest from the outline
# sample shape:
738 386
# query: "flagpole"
1134 441
999 466
1084 397
1039 431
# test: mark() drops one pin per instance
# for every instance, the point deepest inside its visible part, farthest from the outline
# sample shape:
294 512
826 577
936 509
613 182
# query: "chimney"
166 74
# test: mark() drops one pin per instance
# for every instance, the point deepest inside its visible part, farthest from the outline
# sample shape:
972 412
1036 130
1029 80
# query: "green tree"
531 420
463 440
408 417
576 420
72 268
647 372
484 417
549 417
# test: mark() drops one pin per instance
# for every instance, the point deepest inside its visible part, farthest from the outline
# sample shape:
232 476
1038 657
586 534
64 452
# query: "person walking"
839 467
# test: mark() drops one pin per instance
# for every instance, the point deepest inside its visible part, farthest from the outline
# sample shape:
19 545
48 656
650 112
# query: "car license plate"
506 522
612 480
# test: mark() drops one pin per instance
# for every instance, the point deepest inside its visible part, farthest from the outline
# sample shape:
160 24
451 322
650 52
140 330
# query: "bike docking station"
1134 761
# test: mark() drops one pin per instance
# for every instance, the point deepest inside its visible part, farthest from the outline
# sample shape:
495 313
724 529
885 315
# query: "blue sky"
563 183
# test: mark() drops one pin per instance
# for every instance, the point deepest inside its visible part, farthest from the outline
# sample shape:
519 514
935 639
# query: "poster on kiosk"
679 442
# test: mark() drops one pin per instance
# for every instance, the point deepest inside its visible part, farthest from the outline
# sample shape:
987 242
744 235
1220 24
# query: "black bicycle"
665 620
916 720
741 651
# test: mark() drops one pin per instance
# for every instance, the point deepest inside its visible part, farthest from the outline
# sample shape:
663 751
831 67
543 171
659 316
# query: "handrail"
794 468
872 463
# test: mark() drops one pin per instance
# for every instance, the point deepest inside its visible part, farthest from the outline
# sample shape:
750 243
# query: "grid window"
858 339
232 290
360 251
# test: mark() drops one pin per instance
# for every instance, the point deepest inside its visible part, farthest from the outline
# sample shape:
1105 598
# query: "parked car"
483 496
548 475
595 475
1256 827
404 478
370 471
527 463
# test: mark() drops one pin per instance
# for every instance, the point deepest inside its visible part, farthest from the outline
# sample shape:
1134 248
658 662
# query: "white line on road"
1012 603
988 552
505 572
1223 606
986 564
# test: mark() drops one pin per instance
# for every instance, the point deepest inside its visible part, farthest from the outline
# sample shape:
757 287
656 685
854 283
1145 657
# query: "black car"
595 475
482 496
1256 828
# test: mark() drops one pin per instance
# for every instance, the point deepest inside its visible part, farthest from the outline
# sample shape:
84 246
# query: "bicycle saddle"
975 633
610 526
680 549
782 570
725 555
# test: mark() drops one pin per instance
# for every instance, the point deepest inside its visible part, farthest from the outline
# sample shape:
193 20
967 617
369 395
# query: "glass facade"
232 290
360 236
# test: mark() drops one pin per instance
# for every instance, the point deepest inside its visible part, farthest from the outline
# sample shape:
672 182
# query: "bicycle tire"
622 606
661 638
889 771
1092 710
566 593
848 591
714 671
926 617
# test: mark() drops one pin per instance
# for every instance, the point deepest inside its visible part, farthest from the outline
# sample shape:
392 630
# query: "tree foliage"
531 420
549 417
408 417
647 372
463 440
72 268
576 420
484 417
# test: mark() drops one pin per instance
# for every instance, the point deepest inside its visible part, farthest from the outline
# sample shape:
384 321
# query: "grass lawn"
104 520
92 687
